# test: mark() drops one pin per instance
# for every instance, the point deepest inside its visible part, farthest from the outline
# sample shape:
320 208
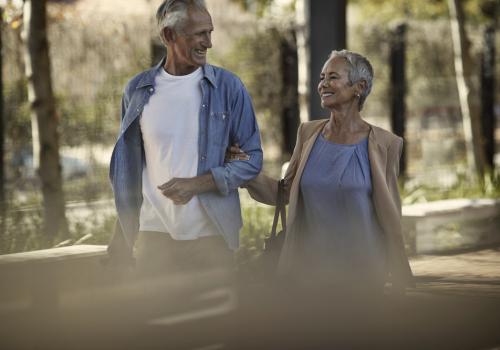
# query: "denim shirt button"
202 157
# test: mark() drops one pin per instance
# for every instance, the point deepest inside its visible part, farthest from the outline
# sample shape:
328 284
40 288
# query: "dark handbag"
274 243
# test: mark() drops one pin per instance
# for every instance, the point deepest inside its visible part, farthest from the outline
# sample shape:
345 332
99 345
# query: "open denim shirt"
226 117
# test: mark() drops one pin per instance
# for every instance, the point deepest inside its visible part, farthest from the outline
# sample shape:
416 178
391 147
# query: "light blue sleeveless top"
342 236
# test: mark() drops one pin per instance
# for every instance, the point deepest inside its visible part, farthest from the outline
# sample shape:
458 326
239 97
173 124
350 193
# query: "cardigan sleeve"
392 172
294 163
402 274
264 188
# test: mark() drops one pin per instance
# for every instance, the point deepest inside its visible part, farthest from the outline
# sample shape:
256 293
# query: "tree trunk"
328 31
289 95
44 120
488 95
2 142
321 27
397 59
466 91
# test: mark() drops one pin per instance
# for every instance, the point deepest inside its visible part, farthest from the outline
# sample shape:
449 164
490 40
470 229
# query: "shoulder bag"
274 243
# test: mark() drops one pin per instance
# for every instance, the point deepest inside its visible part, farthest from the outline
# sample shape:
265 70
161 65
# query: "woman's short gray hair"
173 13
360 69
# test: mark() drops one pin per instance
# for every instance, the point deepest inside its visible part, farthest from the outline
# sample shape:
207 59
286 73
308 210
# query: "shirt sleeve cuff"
220 180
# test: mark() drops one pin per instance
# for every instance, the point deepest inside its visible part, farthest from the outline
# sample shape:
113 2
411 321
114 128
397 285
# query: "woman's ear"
361 87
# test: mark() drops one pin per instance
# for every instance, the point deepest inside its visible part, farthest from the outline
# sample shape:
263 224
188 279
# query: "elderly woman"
344 206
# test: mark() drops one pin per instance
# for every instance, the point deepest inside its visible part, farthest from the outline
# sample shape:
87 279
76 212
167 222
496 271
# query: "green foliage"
433 137
388 10
84 121
256 59
21 230
257 221
95 230
258 7
90 66
464 187
384 11
17 114
23 225
91 187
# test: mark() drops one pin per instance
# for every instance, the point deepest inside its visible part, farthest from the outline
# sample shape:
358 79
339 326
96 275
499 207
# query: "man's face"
192 41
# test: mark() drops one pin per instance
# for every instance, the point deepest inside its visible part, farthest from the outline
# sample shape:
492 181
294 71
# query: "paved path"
455 306
475 274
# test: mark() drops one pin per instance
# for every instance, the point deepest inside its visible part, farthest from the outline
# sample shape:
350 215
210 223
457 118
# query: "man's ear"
169 34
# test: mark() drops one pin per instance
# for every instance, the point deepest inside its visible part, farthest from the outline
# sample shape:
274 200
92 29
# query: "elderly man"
173 189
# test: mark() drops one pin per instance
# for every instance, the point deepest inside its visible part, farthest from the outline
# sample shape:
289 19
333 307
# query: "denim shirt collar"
149 77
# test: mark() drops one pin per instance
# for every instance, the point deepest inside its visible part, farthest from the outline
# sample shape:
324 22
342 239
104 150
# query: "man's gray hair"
173 14
360 69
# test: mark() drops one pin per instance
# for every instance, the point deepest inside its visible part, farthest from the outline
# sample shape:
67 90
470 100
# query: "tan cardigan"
384 150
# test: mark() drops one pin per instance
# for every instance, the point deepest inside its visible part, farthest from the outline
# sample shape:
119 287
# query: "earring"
357 95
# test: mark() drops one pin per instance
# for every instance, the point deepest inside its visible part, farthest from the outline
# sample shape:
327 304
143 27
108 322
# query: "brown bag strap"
280 208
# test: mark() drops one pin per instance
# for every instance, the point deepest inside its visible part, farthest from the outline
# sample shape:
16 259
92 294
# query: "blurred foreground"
456 305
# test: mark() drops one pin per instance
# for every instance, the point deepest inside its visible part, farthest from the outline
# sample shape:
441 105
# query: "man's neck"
178 69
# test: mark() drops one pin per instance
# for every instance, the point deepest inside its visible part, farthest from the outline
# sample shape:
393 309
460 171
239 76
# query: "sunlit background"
56 290
96 46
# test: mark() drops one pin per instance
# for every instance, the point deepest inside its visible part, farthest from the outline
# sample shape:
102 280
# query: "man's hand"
181 190
234 152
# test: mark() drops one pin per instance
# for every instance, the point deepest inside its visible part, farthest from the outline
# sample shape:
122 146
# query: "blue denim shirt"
226 117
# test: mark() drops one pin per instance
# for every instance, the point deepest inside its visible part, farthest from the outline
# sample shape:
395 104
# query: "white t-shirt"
169 126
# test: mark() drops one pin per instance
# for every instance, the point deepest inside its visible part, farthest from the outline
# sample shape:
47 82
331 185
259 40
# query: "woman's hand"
234 152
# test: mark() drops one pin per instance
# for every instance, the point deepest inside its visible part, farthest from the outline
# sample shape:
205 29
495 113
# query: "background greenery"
93 57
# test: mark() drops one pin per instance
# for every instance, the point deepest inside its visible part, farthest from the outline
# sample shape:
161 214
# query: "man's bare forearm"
181 190
204 183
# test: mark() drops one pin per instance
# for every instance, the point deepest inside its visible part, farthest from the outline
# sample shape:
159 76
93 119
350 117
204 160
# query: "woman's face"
334 87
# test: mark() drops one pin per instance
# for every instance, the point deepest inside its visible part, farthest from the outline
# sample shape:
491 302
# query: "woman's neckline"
362 140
